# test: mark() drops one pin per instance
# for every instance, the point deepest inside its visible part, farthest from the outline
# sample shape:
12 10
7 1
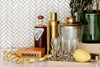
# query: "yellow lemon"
81 55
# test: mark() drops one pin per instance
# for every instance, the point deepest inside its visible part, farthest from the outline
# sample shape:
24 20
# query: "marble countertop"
5 63
47 64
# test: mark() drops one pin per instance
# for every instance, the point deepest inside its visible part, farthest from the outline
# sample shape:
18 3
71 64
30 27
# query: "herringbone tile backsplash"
18 17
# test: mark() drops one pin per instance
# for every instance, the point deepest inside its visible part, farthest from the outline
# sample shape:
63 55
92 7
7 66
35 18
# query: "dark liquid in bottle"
42 40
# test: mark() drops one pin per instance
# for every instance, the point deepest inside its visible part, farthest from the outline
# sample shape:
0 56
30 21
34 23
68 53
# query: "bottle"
40 34
52 30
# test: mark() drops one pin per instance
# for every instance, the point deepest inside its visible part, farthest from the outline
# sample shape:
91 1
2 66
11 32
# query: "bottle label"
38 33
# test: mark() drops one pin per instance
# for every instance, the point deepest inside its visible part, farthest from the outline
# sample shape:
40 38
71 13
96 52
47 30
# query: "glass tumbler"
71 45
55 44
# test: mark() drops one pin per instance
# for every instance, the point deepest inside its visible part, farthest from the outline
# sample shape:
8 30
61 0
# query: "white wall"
18 17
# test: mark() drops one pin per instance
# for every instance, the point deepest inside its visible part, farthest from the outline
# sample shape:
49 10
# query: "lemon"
81 55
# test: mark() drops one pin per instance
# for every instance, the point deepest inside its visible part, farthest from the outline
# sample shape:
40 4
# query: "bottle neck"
40 21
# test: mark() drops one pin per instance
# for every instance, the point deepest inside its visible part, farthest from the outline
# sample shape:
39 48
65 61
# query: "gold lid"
71 20
96 57
71 23
53 16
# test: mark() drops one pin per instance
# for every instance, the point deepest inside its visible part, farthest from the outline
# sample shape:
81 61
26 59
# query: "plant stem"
97 5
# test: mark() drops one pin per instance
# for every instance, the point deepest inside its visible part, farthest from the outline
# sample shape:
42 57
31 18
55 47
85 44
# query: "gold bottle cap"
71 20
53 16
96 57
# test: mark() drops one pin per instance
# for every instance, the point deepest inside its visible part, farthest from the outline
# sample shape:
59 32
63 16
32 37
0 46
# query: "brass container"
52 30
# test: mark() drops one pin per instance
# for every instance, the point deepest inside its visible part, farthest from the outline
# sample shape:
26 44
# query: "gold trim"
76 26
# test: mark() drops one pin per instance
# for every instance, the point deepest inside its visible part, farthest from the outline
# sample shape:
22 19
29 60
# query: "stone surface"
46 64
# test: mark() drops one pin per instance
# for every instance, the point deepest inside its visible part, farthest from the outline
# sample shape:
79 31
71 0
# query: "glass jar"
71 36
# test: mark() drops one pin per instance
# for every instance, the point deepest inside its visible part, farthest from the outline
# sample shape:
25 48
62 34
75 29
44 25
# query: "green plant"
94 3
97 5
78 6
89 7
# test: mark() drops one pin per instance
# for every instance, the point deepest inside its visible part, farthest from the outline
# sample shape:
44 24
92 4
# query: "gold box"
32 53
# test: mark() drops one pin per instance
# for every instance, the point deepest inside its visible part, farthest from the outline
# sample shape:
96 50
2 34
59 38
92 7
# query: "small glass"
63 48
55 44
71 45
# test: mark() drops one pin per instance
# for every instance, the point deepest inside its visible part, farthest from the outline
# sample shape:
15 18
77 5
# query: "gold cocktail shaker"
52 30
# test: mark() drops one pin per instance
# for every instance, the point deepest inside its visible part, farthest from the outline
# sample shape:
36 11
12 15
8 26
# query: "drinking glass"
71 45
55 44
63 48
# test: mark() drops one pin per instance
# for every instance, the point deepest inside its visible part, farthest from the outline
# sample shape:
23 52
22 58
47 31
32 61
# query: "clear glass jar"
71 37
